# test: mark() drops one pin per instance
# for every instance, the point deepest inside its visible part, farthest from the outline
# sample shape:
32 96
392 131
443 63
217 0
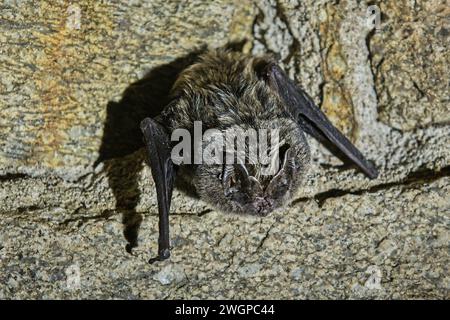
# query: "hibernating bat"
225 89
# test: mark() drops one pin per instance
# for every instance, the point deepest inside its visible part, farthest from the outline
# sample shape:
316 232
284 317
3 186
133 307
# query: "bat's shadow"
123 137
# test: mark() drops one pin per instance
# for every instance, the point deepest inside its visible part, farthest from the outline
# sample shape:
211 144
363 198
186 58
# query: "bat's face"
258 189
222 90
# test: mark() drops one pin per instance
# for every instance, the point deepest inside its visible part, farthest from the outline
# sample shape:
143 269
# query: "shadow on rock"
122 137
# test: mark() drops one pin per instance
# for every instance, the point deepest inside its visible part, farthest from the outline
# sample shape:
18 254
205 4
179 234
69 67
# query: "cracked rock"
170 274
77 202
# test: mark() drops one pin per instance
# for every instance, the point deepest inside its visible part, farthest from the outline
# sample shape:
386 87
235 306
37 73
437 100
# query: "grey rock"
249 270
410 58
170 274
70 203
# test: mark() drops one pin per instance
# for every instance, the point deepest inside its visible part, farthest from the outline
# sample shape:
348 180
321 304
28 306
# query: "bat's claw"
153 260
163 255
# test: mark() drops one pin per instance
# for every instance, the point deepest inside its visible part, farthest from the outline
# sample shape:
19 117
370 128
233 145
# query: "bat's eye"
228 181
231 188
283 183
231 179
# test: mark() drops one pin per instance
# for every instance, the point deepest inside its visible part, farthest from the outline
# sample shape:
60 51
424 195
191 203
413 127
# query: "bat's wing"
313 120
158 149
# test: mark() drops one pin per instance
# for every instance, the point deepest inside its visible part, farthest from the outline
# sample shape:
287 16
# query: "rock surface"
410 60
74 191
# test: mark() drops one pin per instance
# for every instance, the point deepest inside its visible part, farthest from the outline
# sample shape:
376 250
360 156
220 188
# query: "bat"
222 90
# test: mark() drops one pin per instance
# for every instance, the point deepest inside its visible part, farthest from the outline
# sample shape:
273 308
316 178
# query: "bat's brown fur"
224 89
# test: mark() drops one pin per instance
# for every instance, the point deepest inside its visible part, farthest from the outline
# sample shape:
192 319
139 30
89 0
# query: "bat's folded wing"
158 150
313 120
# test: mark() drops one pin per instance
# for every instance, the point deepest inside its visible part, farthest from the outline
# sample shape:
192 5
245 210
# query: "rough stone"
77 202
58 74
410 57
390 243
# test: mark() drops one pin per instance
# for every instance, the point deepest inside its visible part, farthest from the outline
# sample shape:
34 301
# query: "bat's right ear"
262 66
310 118
158 149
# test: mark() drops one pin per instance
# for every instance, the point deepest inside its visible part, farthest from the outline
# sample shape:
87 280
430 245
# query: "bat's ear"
310 118
262 66
280 182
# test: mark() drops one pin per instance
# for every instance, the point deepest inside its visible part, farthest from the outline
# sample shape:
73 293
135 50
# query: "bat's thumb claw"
163 255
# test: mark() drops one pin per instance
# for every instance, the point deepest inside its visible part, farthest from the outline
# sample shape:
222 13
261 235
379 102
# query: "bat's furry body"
224 90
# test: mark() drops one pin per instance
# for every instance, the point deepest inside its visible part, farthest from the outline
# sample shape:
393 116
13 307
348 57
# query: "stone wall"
76 78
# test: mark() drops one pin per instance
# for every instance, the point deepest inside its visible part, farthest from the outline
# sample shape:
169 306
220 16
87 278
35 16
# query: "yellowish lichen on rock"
65 66
64 61
336 103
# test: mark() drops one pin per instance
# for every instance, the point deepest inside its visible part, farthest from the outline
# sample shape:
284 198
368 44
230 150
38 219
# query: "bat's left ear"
262 66
309 117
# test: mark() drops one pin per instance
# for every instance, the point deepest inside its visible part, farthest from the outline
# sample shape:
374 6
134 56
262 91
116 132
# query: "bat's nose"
263 205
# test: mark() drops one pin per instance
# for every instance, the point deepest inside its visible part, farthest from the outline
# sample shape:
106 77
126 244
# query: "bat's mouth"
263 205
252 196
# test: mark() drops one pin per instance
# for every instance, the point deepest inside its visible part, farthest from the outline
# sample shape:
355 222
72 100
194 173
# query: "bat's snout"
263 205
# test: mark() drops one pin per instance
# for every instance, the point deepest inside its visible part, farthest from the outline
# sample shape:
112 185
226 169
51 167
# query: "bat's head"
258 187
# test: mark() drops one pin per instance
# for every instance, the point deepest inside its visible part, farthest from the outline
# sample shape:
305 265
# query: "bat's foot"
163 255
129 248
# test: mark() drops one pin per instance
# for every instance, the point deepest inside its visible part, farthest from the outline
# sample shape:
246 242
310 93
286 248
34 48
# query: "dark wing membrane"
313 120
158 150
